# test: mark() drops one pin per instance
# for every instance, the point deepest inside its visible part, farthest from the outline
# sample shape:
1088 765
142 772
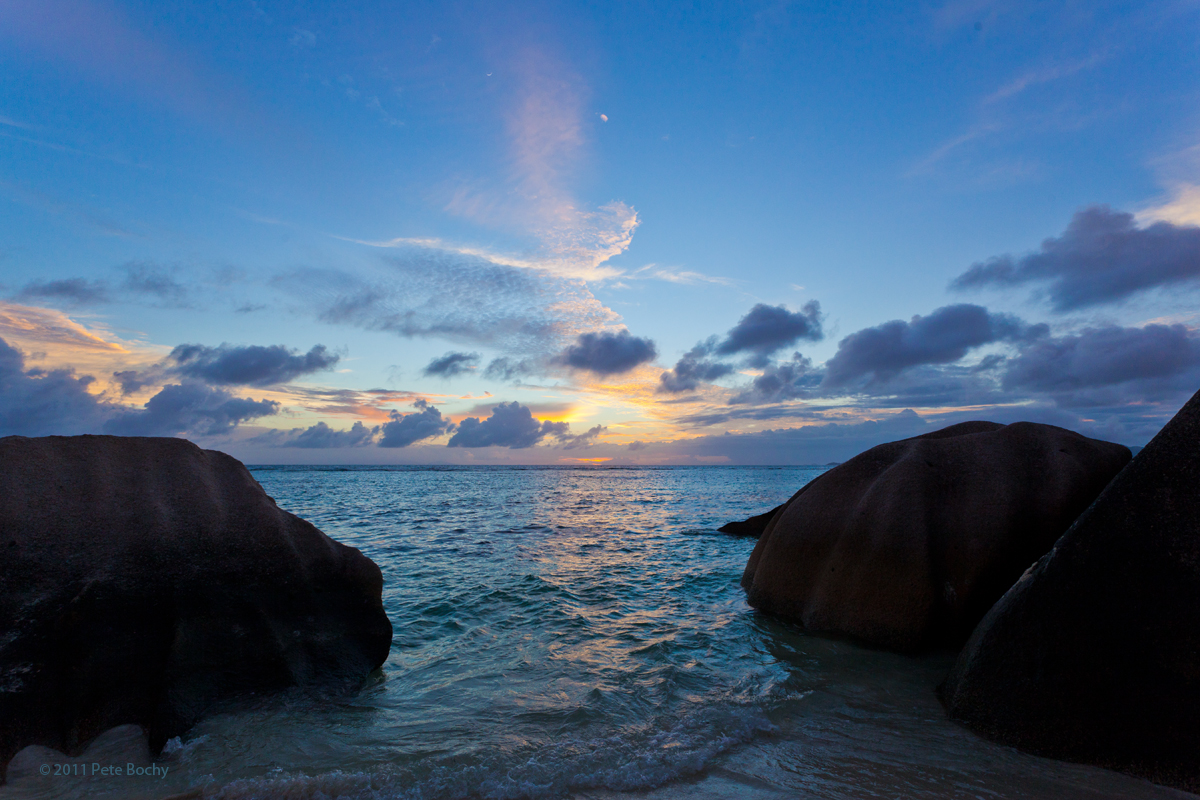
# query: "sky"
595 233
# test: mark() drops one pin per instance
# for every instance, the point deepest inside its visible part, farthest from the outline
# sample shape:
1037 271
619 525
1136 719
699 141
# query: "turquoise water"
580 633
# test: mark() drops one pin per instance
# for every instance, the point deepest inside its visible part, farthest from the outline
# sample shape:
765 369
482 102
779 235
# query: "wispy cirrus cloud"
531 197
1004 113
680 276
1042 75
423 292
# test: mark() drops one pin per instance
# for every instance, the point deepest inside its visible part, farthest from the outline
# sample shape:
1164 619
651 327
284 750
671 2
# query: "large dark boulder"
907 545
1094 654
144 580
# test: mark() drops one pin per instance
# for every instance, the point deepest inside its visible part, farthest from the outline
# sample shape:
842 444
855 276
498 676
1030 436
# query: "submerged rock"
143 580
908 544
754 526
1094 655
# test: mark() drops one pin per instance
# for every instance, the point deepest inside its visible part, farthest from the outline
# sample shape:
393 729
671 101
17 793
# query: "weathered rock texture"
1094 654
908 544
143 580
754 526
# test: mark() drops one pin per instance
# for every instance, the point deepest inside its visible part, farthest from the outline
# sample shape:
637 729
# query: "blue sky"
713 233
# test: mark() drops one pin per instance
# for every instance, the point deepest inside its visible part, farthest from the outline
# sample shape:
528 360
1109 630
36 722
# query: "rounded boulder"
144 580
1093 655
908 544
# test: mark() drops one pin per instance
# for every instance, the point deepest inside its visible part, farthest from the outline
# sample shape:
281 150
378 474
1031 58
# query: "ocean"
580 633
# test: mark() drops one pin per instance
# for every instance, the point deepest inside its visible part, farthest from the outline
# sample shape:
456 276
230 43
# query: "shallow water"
580 632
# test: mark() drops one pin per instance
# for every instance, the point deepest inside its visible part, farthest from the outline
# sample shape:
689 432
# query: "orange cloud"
52 340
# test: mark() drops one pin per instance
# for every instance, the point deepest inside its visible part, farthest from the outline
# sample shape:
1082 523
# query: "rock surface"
907 545
754 526
1094 655
142 580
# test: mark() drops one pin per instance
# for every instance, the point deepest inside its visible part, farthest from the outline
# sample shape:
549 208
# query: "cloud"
141 280
942 337
1108 356
780 382
189 408
1046 74
253 365
766 329
302 38
608 353
546 142
76 291
809 444
508 369
685 277
149 279
322 436
52 340
511 425
452 364
405 429
1182 209
693 369
432 293
581 440
41 403
365 403
1102 257
48 327
132 380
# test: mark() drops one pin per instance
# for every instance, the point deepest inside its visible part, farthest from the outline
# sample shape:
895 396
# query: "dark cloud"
508 369
1166 355
780 382
141 281
693 369
131 380
189 408
839 441
253 365
635 446
575 441
452 364
405 429
76 291
942 337
608 353
150 279
323 436
766 329
40 403
511 425
713 416
1102 257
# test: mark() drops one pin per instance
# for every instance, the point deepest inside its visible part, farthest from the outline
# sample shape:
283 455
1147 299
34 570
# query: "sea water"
580 632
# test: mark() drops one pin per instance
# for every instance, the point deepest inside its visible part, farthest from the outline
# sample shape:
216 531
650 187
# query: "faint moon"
604 117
